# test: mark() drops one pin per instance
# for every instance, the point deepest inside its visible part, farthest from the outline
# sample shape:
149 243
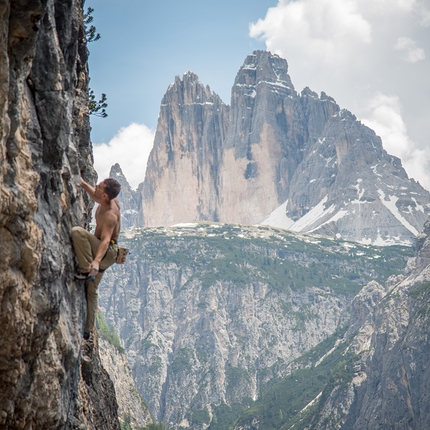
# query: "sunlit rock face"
182 174
265 141
275 157
44 149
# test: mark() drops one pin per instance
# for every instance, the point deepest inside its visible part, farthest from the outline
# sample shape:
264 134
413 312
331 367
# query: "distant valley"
213 314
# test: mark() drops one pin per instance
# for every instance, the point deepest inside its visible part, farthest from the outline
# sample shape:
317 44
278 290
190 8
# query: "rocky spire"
128 198
265 140
182 174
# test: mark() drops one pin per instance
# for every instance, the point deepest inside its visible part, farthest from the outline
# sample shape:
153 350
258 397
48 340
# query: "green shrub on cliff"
107 332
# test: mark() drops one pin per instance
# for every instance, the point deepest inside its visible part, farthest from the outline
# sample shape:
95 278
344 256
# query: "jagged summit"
116 173
188 91
261 67
274 156
129 199
349 184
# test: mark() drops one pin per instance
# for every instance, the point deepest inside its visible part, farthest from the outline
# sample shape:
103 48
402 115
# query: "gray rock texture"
210 313
128 198
275 157
131 406
265 140
182 174
348 186
389 378
44 149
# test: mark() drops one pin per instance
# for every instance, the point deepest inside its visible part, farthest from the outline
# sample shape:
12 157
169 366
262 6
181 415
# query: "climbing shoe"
84 277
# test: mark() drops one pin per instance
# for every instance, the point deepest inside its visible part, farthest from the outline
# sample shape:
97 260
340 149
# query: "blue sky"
145 43
372 56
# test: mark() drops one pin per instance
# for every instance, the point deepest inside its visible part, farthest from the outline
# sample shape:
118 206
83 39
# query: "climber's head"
110 187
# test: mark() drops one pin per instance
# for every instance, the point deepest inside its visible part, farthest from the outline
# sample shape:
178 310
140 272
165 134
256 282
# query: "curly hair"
112 187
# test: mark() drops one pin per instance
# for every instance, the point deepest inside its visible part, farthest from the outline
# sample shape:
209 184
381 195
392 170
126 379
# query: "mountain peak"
263 68
294 161
128 198
189 90
115 171
182 170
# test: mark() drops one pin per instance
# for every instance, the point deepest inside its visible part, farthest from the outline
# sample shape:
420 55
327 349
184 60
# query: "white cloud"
130 148
411 52
322 29
354 49
387 122
387 7
424 13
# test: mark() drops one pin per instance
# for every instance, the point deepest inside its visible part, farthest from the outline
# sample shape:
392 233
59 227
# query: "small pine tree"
90 32
97 108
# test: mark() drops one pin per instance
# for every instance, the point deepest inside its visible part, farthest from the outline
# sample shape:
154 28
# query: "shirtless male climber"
96 252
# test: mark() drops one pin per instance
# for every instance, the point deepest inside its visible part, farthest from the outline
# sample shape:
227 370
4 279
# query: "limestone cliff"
387 385
210 314
131 406
276 157
44 149
183 168
265 141
375 375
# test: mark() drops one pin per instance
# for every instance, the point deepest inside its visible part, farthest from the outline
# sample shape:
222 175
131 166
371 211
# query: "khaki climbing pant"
86 245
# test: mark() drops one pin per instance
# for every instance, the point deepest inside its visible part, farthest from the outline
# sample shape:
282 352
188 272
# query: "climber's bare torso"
105 215
108 222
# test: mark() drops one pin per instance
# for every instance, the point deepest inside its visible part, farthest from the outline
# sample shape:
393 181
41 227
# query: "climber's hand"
94 268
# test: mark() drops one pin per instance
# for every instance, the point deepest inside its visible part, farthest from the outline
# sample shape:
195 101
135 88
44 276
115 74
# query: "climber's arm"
109 223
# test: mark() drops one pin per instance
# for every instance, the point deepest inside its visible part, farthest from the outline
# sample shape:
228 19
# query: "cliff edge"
44 149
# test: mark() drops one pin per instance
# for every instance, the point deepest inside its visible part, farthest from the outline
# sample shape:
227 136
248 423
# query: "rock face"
131 406
348 186
183 169
381 375
389 379
265 140
97 406
276 157
44 148
210 313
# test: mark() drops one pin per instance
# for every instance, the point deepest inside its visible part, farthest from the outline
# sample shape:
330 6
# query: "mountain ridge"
276 157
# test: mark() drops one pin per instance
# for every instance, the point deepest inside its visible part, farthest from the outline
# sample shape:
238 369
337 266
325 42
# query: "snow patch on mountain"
390 204
317 212
336 217
278 218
